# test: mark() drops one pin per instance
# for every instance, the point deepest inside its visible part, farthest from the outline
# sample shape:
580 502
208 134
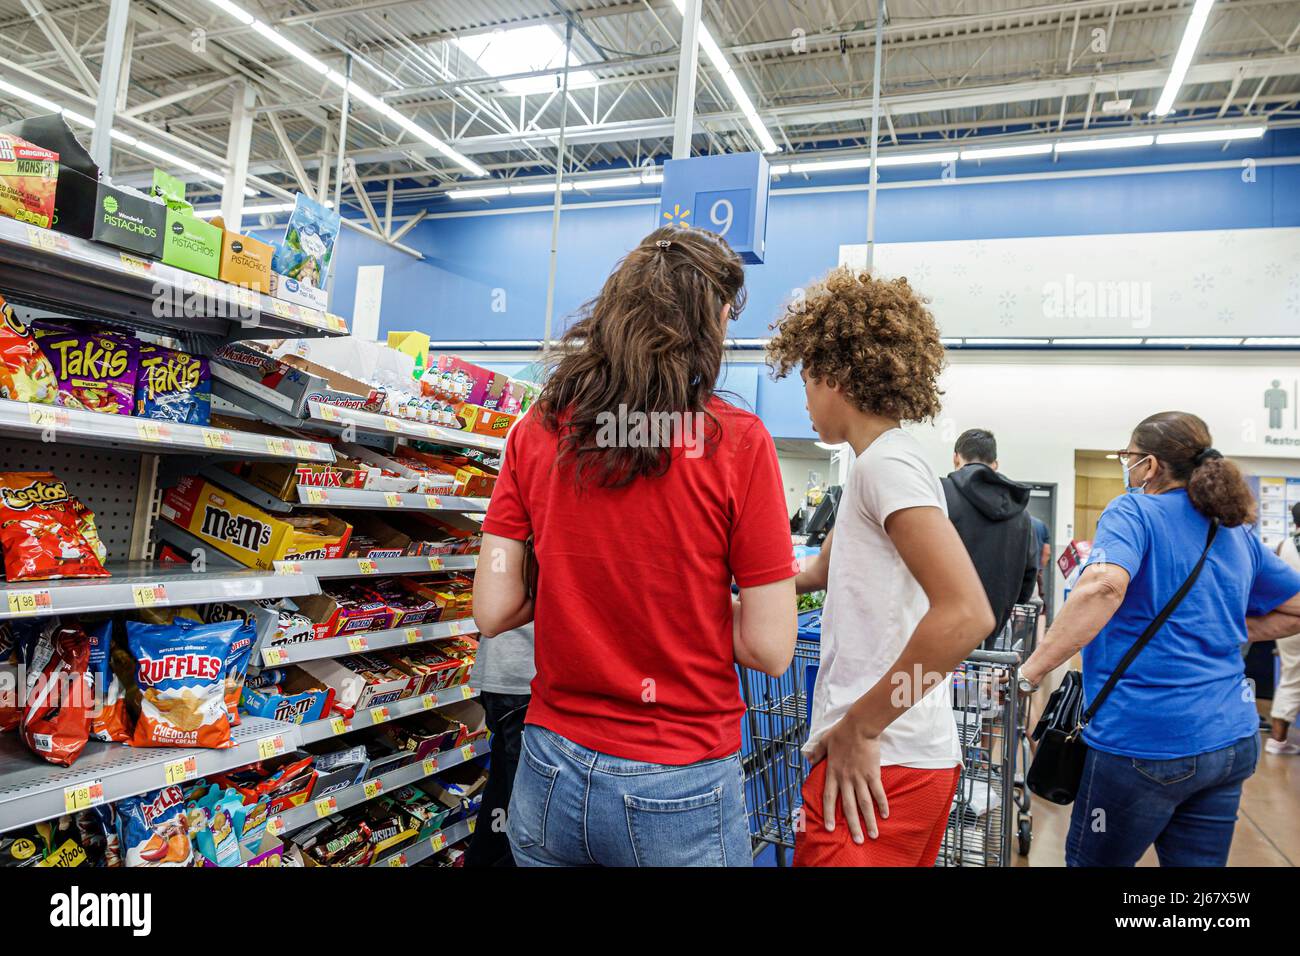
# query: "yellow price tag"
372 788
39 238
392 499
304 449
82 796
288 567
204 286
42 416
269 747
467 751
378 715
437 842
412 635
392 424
326 806
435 564
339 726
429 766
453 627
24 603
136 266
429 701
366 566
149 431
245 296
212 438
274 656
473 822
398 859
356 644
149 595
275 826
178 771
281 308
279 446
466 692
315 496
336 322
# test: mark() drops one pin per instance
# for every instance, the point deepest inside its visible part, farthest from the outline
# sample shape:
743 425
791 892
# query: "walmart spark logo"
679 216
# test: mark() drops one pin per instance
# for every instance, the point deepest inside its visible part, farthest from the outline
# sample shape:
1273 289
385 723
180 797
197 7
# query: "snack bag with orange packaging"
181 673
26 375
45 532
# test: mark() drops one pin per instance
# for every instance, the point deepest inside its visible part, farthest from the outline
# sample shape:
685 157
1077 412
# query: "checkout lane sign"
724 194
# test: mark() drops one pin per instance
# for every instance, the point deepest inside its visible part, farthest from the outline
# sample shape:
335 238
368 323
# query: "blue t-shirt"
1042 536
1186 693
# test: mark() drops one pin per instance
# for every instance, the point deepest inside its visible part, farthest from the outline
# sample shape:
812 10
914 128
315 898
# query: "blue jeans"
573 806
1186 806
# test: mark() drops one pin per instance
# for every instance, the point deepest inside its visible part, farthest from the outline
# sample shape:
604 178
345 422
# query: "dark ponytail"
1215 486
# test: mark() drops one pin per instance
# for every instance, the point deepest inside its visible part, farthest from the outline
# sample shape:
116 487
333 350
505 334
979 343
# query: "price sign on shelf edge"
83 796
24 603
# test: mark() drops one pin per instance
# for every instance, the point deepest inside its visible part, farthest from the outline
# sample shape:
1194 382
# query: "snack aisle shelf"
360 793
426 848
364 642
32 790
51 270
359 567
26 420
404 427
385 500
141 584
368 717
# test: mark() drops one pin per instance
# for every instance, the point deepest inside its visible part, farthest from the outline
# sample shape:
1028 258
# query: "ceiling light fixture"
1183 58
1103 142
1211 135
999 152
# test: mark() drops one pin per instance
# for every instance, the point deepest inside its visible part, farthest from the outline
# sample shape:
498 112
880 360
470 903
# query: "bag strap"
1150 632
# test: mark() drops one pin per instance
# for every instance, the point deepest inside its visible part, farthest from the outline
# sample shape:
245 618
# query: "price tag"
429 766
432 502
392 424
339 726
397 859
269 747
205 286
275 826
138 267
82 796
314 496
328 413
148 595
453 627
213 438
178 771
356 644
304 449
274 656
149 431
435 564
412 635
366 566
392 499
473 824
372 788
279 446
437 842
43 416
336 322
281 308
429 701
39 238
466 692
467 751
288 567
246 297
378 715
326 806
24 603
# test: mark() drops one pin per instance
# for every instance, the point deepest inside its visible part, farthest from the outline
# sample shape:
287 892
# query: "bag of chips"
109 720
181 673
173 386
95 370
26 375
55 720
153 829
44 530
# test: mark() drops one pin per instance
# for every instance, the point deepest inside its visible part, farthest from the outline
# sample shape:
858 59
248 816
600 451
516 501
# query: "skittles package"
45 532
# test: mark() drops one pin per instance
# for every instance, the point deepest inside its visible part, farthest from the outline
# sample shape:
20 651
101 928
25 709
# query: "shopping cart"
1021 637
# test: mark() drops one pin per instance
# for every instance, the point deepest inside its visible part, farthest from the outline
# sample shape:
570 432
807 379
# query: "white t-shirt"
873 604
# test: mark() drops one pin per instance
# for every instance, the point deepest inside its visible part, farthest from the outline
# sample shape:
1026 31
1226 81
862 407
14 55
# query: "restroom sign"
726 195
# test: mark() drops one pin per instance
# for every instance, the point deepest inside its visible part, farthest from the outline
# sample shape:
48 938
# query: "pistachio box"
128 220
191 244
245 261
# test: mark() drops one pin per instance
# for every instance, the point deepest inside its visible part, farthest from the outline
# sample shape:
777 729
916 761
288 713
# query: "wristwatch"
1024 684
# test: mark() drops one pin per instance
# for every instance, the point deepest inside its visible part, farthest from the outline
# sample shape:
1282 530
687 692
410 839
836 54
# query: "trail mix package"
153 829
181 673
45 532
173 386
109 720
95 370
55 721
25 373
308 244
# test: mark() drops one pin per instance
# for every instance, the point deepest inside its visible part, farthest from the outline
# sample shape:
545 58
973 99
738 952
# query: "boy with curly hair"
903 602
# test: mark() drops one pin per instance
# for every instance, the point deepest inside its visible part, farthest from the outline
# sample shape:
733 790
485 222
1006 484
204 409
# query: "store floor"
1267 834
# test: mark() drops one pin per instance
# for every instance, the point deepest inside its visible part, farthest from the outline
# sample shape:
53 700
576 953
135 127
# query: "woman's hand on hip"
852 778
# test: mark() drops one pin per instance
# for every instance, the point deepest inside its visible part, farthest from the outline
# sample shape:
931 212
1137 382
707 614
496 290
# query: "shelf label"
178 771
269 747
466 692
392 424
204 286
275 826
435 564
281 308
372 788
148 595
398 859
279 446
274 656
473 822
83 796
304 449
437 842
314 496
431 501
246 297
336 323
467 751
429 766
412 635
46 239
218 439
392 499
288 567
45 416
453 627
339 726
378 715
328 413
429 701
138 267
357 644
23 603
366 566
326 806
150 431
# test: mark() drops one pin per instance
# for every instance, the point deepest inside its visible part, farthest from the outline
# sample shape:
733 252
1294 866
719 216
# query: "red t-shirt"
633 613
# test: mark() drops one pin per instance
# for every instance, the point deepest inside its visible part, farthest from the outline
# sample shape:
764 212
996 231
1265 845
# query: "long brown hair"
652 341
1181 441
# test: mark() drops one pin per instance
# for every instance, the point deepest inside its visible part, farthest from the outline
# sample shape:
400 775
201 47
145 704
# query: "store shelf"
421 851
336 726
142 584
32 790
363 643
71 276
382 500
360 793
80 427
359 567
390 426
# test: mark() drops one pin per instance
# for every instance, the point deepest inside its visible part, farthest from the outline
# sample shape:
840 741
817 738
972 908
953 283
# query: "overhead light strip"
1183 58
353 88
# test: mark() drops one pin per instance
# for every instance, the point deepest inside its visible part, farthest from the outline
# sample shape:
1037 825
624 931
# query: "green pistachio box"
191 244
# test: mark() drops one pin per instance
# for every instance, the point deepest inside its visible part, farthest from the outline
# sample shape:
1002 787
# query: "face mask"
1128 484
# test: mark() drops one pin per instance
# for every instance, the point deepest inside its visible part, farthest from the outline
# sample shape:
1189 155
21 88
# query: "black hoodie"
989 513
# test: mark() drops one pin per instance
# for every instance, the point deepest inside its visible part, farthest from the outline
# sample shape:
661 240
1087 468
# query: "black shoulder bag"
1057 767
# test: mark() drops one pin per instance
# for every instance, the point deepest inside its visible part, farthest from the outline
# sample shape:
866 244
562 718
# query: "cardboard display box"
290 382
470 481
483 421
335 616
361 681
29 177
451 377
245 261
191 244
243 531
300 699
282 479
128 220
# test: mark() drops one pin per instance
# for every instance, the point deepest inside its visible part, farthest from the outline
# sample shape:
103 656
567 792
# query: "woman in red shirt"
645 496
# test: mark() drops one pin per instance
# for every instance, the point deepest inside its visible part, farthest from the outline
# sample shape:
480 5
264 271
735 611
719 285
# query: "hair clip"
663 243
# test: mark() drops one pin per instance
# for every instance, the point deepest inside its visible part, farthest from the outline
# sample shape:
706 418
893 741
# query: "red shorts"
919 801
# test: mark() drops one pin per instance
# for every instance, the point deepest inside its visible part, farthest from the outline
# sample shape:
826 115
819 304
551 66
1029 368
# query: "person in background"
1286 696
988 511
630 753
1043 541
1170 748
904 604
503 673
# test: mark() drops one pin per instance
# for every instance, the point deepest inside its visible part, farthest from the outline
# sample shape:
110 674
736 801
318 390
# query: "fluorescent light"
913 159
1288 341
1103 142
718 59
353 88
483 193
1183 58
1006 342
997 152
778 169
825 165
943 341
1090 343
523 50
48 105
610 183
1218 341
248 210
1211 135
530 188
652 175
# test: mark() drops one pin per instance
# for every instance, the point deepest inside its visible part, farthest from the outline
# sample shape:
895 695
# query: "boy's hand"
852 777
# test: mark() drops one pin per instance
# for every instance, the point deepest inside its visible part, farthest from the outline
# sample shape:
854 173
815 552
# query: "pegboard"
106 480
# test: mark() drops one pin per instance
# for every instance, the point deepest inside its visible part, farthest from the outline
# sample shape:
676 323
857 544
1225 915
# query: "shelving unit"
32 790
364 642
337 726
385 500
360 567
427 848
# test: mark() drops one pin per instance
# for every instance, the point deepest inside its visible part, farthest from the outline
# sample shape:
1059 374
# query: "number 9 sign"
721 214
726 213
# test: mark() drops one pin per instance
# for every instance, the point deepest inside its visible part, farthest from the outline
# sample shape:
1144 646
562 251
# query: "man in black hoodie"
988 510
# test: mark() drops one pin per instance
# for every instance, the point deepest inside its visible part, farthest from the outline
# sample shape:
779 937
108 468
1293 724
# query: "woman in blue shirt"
1172 745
